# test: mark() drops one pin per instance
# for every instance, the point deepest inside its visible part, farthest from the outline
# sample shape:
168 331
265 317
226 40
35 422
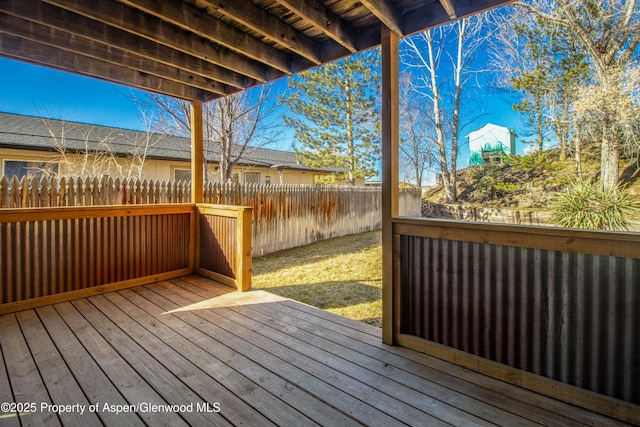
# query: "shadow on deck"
189 351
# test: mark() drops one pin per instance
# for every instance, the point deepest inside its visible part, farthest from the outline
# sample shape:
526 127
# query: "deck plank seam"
204 350
273 356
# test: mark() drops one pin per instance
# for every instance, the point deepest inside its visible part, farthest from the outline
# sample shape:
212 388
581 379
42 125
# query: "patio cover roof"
200 50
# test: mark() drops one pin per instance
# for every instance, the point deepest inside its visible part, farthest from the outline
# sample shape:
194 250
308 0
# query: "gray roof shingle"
37 133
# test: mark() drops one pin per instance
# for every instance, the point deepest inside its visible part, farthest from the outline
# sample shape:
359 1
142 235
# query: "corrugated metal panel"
567 316
218 244
45 257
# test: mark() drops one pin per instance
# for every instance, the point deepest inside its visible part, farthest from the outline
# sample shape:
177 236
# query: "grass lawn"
342 275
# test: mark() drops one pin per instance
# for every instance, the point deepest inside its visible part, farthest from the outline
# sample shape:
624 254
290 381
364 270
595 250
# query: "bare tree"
544 63
82 154
417 155
436 58
233 126
139 147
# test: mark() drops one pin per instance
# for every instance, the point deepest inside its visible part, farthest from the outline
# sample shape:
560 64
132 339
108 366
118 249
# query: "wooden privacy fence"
561 304
52 192
284 216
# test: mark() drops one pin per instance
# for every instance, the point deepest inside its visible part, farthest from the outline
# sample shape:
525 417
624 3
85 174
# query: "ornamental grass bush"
591 206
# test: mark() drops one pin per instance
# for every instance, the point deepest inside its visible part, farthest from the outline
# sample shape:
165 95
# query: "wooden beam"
316 14
427 16
387 13
199 22
38 54
132 21
197 153
61 19
244 232
72 43
449 7
390 184
255 18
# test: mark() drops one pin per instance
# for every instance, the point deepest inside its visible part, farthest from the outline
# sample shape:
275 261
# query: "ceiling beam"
72 43
39 54
426 17
199 22
323 19
387 13
449 7
256 19
61 19
135 22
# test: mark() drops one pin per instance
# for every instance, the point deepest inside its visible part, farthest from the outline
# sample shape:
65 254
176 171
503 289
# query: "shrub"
592 206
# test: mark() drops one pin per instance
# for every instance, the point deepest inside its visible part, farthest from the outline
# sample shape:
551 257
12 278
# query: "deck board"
265 359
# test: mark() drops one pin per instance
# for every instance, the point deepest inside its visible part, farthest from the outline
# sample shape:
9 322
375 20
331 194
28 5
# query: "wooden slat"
387 12
257 19
47 214
10 419
39 54
167 376
206 26
432 394
558 239
26 384
314 12
114 55
58 379
133 387
450 7
91 379
274 356
182 339
119 16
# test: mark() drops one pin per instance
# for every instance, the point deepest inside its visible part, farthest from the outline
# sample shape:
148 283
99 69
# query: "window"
267 179
182 175
21 168
251 178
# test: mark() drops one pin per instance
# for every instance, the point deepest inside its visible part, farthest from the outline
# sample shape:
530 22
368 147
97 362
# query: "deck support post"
390 147
197 181
197 155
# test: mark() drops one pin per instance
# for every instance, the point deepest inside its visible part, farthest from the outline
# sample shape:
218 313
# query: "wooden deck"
250 359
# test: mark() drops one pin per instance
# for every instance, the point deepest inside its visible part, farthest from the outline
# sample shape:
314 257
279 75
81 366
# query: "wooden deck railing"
225 244
48 255
515 301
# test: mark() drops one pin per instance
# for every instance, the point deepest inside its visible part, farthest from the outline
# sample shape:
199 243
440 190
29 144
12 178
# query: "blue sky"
39 91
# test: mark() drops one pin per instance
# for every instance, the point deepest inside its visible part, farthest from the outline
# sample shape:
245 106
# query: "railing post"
244 233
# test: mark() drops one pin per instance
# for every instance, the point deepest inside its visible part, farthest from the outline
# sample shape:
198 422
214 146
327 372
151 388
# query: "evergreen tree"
609 34
551 68
335 114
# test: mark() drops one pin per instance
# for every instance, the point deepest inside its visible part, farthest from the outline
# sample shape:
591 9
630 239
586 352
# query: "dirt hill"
528 182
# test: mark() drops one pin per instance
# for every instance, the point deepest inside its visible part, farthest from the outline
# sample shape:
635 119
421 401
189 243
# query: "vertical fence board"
284 216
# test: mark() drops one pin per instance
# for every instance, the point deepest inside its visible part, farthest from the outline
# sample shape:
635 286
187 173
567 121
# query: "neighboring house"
490 142
35 146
